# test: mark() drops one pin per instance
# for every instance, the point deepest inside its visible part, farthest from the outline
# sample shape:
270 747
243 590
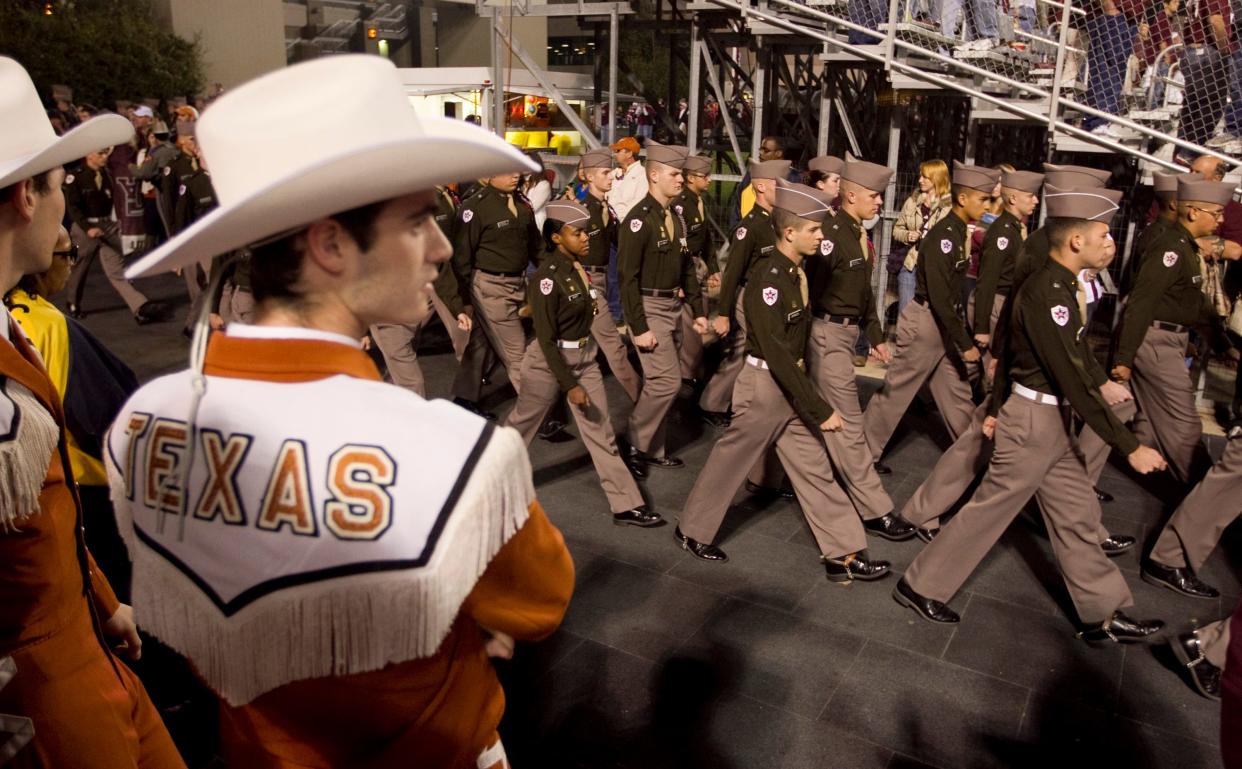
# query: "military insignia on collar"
678 209
467 215
946 245
636 225
741 233
545 286
826 246
1170 258
770 295
1002 243
69 179
1060 315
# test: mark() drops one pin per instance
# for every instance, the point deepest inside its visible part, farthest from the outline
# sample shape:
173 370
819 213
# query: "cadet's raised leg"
661 376
1196 526
919 348
1166 395
604 330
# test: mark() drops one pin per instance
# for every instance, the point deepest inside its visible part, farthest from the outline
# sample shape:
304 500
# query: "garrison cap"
567 212
770 169
1023 181
1095 204
827 164
872 176
697 164
1074 177
1165 182
666 154
1200 191
801 200
600 157
975 177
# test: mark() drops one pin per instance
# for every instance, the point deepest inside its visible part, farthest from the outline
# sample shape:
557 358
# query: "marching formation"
338 558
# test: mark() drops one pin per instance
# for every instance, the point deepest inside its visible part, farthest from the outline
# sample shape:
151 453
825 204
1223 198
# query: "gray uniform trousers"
399 344
1166 396
691 341
1196 526
540 392
958 467
719 390
921 355
604 330
762 418
831 360
998 302
108 248
661 375
496 300
1034 455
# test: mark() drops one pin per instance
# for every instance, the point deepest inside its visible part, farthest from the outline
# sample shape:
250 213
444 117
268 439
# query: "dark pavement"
667 661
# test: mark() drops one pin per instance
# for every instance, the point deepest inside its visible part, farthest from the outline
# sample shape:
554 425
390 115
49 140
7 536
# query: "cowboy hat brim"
446 152
96 134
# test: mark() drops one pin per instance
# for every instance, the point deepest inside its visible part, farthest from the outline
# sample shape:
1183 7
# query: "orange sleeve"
106 602
525 590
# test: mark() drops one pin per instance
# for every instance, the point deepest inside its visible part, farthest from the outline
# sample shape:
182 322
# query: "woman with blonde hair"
927 204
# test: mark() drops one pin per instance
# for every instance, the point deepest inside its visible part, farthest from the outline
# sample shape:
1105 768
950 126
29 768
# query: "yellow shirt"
47 329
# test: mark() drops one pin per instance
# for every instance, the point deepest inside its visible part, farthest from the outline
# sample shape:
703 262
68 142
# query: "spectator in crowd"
1156 32
92 384
86 111
631 183
869 14
1205 66
1232 134
983 14
927 204
644 118
1024 11
743 198
537 191
1110 41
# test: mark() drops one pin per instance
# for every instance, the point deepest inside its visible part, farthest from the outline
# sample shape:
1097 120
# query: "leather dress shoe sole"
1153 579
1179 651
650 523
841 578
1103 495
664 463
909 603
700 550
883 533
1115 546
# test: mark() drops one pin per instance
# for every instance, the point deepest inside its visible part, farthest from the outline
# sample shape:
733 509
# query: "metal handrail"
1151 89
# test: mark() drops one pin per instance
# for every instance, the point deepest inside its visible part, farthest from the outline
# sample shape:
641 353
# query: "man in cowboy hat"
752 240
336 556
1035 452
779 407
841 302
1166 300
933 344
656 276
72 699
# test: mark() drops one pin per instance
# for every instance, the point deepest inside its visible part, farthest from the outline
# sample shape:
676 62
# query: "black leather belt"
659 293
844 320
494 273
593 268
1176 329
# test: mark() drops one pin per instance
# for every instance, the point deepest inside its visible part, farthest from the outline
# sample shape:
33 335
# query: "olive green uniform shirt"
1001 243
754 239
493 238
778 326
651 257
943 261
689 206
601 232
562 306
88 195
840 276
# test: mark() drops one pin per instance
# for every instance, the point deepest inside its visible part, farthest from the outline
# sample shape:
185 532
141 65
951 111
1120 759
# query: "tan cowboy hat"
315 139
28 143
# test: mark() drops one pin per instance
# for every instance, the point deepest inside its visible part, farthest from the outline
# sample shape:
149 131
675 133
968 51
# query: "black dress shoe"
927 535
1117 544
639 516
551 428
768 491
1204 676
668 463
1178 580
854 567
882 469
928 608
75 311
707 552
891 526
717 419
636 468
150 312
1103 495
473 408
1123 630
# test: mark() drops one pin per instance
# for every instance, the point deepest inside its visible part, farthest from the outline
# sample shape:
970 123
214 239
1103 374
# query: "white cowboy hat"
316 139
28 143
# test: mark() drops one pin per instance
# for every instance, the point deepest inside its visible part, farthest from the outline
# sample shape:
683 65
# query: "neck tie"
1023 228
512 205
802 287
605 211
702 211
863 243
670 230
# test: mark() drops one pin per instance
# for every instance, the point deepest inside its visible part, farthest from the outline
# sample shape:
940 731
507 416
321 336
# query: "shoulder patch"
636 225
1060 315
741 233
545 286
946 245
826 246
1002 243
467 214
69 179
770 295
1169 258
